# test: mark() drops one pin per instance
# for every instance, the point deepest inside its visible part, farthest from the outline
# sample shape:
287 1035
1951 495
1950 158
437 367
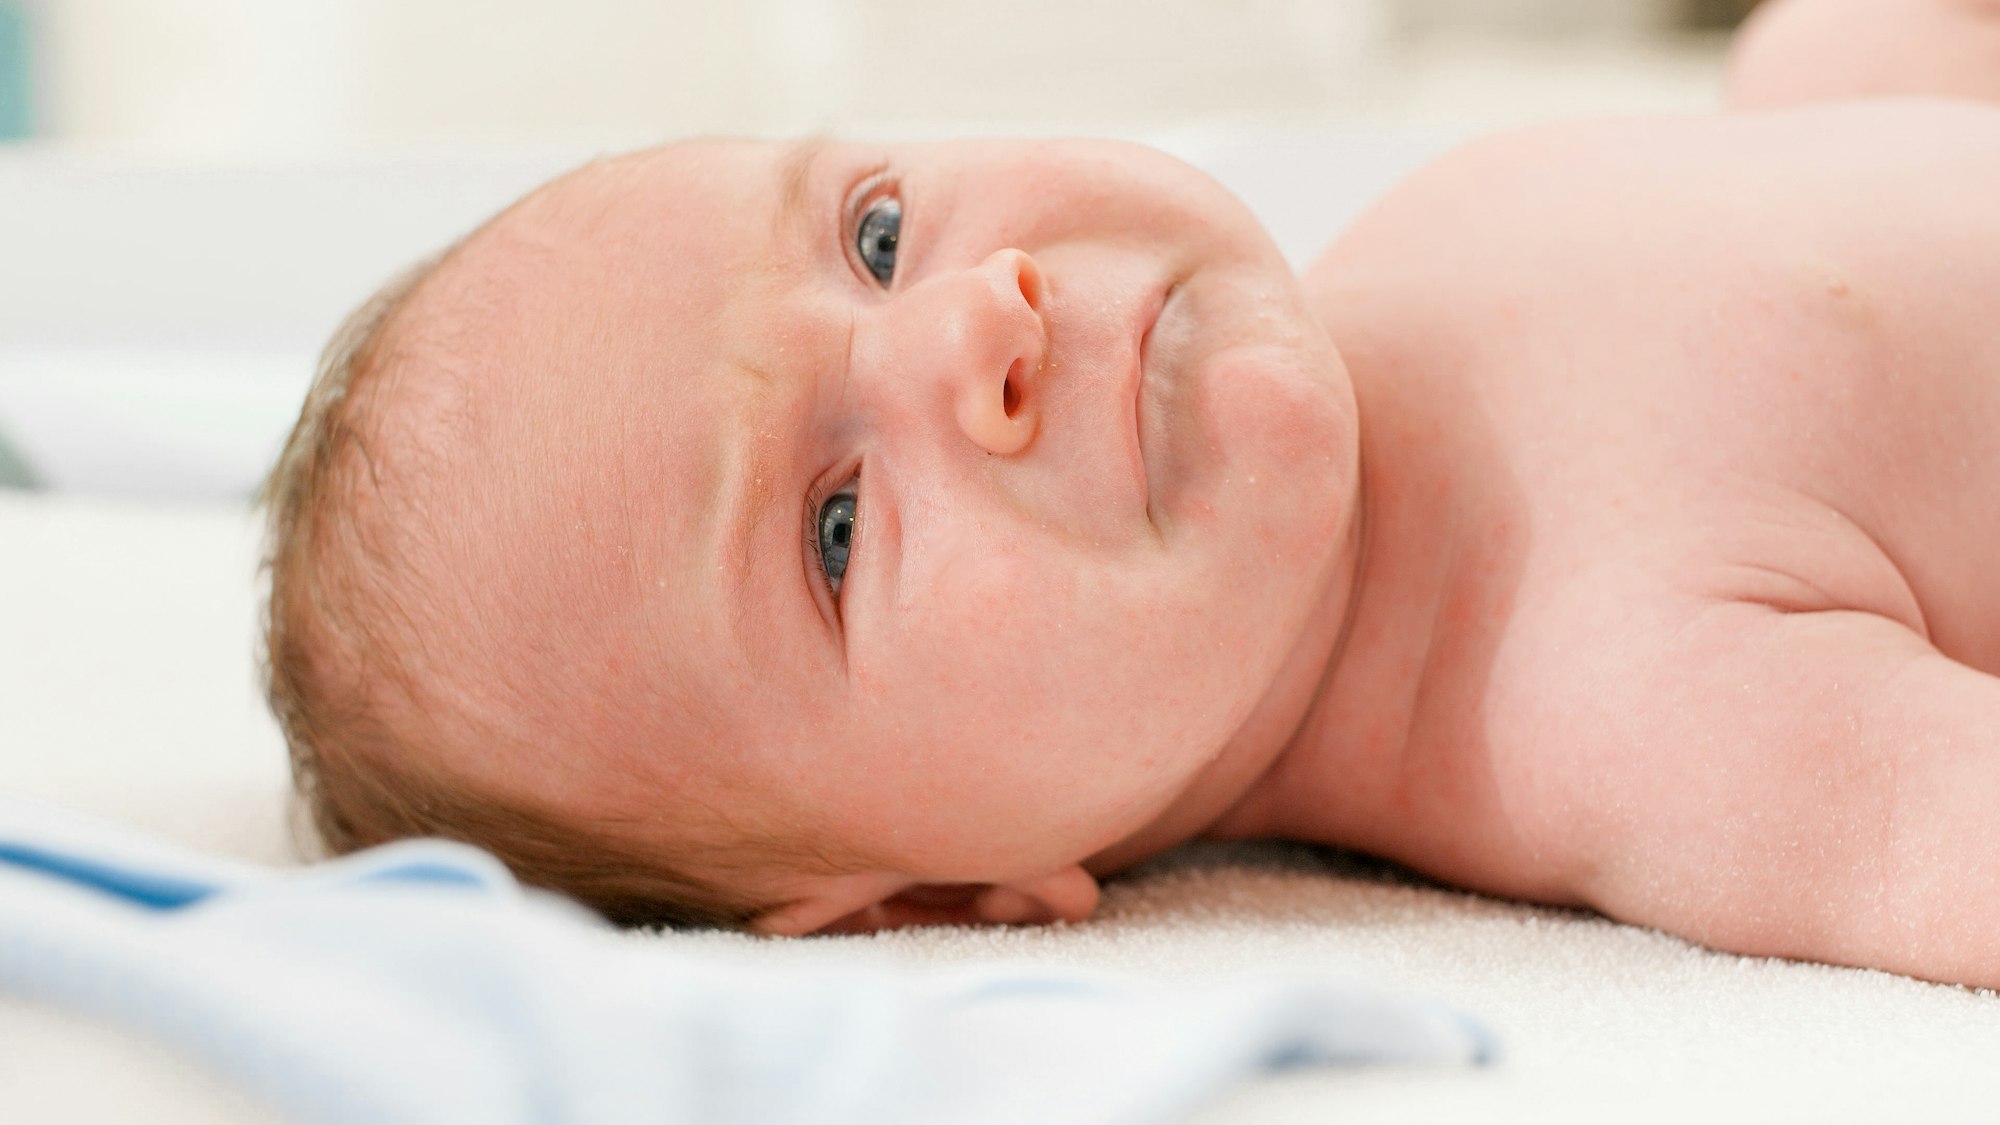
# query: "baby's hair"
335 677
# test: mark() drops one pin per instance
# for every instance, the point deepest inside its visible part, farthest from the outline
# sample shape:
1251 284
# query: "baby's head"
816 536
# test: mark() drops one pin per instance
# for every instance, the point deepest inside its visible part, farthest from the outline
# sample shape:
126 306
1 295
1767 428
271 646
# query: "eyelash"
816 499
876 186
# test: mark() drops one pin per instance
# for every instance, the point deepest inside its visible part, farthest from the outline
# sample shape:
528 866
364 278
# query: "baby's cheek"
959 635
1290 462
1013 641
1296 417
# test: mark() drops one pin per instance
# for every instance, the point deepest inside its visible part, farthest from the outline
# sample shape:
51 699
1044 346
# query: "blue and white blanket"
419 983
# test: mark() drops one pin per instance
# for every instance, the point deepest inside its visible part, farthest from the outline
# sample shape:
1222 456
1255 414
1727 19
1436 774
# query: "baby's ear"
1065 895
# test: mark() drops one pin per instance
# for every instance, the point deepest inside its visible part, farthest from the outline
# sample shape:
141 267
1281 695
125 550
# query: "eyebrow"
795 173
755 482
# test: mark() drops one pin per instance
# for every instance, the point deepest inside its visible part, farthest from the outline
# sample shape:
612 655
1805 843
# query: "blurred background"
220 77
193 192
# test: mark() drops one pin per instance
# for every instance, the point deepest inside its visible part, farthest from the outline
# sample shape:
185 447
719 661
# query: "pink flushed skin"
1103 545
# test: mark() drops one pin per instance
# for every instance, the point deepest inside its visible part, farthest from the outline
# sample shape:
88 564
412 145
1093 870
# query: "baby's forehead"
548 388
678 229
694 174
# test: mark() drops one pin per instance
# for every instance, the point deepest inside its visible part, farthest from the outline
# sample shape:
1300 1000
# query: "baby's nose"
984 338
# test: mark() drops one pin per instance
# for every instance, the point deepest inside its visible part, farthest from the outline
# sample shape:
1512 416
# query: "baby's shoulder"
1508 209
1729 358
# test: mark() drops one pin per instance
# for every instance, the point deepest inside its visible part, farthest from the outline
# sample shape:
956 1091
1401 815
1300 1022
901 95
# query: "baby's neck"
1338 773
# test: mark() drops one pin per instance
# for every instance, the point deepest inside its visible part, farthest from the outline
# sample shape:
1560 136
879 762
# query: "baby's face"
956 503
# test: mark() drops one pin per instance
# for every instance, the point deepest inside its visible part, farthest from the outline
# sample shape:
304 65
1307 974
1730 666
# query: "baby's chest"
1821 439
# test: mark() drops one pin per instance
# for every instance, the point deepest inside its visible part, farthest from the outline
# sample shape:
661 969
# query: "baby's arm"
1796 51
1819 785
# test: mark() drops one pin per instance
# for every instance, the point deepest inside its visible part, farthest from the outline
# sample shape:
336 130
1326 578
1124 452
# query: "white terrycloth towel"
418 983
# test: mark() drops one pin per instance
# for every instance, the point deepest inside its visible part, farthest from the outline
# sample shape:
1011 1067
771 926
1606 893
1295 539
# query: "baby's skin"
1606 519
1681 451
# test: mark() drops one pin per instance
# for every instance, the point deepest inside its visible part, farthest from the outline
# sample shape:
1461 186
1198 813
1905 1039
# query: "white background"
234 76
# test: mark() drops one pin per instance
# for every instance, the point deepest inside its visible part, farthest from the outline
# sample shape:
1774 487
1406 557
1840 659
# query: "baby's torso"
1731 358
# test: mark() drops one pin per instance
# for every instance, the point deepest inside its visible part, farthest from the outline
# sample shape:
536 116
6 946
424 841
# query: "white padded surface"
127 684
126 692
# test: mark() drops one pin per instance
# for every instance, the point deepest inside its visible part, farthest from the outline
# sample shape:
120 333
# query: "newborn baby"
828 537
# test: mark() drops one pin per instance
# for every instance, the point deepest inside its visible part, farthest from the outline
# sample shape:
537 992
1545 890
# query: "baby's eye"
875 237
836 536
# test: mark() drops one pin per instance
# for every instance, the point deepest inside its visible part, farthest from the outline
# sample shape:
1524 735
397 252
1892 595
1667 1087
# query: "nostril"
1010 391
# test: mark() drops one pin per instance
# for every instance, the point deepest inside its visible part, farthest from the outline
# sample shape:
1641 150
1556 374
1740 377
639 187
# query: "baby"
827 537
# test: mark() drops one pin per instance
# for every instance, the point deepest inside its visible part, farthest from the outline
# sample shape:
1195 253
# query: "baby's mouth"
1146 395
